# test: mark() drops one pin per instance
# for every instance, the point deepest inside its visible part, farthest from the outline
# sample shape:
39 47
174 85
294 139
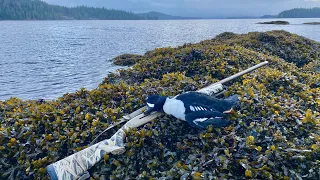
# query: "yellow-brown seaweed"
275 131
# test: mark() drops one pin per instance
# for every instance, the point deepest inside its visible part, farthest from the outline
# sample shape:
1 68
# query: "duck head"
155 103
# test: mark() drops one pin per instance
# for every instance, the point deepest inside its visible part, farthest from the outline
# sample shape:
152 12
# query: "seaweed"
274 132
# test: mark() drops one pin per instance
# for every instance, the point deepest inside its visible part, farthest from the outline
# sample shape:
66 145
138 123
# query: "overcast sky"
197 8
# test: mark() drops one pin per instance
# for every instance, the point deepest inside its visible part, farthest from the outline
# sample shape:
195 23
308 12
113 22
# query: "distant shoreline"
102 19
143 19
296 13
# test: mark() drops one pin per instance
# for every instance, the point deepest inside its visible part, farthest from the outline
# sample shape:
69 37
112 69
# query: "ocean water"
46 59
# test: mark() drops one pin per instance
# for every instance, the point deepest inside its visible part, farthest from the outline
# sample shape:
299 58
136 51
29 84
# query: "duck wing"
203 119
197 99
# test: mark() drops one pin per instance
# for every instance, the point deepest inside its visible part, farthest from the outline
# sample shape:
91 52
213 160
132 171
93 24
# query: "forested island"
39 10
297 13
162 16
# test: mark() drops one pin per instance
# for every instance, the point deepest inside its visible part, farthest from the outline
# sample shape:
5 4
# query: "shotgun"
76 165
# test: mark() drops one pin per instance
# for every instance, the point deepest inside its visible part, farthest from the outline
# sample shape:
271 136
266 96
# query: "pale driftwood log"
75 166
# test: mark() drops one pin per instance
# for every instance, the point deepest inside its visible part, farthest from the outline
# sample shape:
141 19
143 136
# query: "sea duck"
198 109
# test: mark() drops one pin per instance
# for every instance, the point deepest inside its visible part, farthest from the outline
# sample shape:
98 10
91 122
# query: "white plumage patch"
200 120
198 108
150 105
218 117
196 121
175 108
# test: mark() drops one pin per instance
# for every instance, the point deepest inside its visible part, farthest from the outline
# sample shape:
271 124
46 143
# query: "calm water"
46 59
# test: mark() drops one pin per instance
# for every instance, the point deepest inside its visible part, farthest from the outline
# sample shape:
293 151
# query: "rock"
126 59
312 23
275 22
291 48
226 35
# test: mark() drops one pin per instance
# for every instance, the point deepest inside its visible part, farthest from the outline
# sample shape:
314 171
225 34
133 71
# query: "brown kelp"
275 131
126 59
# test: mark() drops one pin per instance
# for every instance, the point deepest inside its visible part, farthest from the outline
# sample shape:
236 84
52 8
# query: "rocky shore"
275 132
275 22
312 23
126 59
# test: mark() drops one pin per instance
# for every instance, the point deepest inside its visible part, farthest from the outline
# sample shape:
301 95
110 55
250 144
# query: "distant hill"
297 13
39 10
301 13
268 16
242 17
161 16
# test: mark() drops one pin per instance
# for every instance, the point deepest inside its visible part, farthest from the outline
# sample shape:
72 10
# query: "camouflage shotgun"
75 166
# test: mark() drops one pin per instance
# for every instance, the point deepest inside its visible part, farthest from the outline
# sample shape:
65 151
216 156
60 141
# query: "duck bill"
149 111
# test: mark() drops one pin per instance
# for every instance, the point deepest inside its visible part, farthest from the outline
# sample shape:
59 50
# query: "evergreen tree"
301 13
39 10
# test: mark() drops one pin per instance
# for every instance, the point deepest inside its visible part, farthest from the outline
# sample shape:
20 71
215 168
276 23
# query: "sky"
197 8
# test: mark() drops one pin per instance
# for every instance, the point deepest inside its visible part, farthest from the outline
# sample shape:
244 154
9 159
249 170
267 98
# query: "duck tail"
234 99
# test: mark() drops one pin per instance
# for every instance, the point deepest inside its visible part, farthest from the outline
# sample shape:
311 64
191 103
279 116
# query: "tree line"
297 13
39 10
301 13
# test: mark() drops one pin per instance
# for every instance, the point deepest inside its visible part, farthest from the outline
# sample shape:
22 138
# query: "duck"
197 109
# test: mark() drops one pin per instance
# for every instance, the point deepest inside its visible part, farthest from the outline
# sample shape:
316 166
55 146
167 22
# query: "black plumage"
196 99
199 110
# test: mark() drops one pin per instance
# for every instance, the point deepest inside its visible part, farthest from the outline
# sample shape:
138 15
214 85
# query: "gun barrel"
243 72
218 86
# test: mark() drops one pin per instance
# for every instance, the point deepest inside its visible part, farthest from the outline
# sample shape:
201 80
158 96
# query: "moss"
274 131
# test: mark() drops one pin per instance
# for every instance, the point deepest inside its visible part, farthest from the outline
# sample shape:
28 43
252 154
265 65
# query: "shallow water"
46 59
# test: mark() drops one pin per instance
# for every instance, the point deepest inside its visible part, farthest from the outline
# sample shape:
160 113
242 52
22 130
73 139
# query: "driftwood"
75 166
